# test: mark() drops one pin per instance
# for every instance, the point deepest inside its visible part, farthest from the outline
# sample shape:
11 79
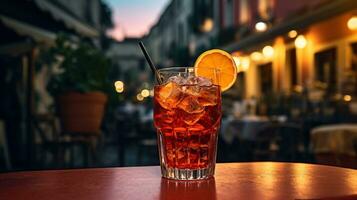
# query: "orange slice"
220 60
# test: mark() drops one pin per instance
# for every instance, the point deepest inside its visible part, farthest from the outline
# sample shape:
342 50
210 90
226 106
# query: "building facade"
308 43
26 27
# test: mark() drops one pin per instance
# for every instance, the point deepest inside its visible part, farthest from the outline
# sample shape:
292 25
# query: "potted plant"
78 84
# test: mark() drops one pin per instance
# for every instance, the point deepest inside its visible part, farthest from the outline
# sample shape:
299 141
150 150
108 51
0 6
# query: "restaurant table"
258 180
338 138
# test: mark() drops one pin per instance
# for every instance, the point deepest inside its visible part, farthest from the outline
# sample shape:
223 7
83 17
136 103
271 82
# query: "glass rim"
173 69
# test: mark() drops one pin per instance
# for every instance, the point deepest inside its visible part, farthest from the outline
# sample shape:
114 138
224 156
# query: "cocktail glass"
187 116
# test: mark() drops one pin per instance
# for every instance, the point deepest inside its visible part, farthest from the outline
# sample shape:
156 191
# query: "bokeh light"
292 34
145 93
261 26
256 56
352 23
300 42
268 51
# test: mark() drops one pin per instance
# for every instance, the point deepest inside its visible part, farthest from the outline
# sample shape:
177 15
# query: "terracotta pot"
81 112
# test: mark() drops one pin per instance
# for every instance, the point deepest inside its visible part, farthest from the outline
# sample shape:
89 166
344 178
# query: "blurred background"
75 90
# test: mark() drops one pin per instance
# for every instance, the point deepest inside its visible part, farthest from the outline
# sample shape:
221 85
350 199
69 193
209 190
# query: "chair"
3 146
265 144
51 140
147 142
278 141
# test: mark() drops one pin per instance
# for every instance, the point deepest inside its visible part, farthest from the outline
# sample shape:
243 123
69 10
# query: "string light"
119 90
352 23
245 62
256 56
261 26
300 42
347 98
268 51
139 97
119 86
151 93
237 61
292 34
145 93
207 25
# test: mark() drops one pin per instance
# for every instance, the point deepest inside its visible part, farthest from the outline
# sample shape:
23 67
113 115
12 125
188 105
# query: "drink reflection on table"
197 189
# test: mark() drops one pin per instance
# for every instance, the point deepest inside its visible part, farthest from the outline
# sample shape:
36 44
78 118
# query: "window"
350 78
266 9
266 78
325 69
241 84
291 65
244 12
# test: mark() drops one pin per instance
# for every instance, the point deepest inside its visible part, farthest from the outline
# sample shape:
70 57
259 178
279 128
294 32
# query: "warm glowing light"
352 23
151 93
119 84
207 25
347 98
261 26
145 93
119 90
139 97
298 88
292 34
268 51
256 56
237 61
245 62
300 42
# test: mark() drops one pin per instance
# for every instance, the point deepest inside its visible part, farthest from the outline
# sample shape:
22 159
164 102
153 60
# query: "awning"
300 22
24 29
70 21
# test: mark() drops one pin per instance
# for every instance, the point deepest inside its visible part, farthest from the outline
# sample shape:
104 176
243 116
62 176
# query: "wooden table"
266 180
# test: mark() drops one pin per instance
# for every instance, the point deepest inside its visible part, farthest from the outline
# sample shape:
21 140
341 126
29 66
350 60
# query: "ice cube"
204 81
170 95
190 104
198 80
178 80
192 90
209 95
193 118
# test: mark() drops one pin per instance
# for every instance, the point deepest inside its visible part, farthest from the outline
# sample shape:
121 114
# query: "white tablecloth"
337 138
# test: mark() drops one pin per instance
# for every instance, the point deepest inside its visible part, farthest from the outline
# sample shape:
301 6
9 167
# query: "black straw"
151 64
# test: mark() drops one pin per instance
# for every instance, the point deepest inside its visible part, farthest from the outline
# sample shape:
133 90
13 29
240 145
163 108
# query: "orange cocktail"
187 115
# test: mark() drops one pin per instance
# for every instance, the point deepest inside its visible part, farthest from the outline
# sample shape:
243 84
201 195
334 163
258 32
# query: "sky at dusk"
133 18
